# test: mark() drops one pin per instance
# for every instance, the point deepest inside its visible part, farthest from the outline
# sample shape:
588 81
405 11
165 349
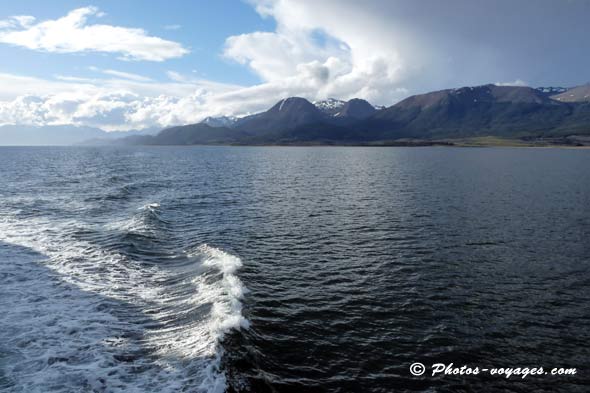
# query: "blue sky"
202 26
132 64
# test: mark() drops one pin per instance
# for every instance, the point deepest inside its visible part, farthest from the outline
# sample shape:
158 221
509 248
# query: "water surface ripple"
255 269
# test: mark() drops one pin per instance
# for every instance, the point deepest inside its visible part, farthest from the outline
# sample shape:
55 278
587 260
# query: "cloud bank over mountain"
381 51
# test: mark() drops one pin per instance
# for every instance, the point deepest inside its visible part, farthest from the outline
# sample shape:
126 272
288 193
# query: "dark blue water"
211 269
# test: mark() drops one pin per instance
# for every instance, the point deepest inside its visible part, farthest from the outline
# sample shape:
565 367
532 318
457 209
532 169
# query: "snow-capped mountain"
330 107
551 90
221 121
335 107
502 111
287 114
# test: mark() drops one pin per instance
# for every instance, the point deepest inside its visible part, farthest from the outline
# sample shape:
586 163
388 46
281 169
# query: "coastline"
485 141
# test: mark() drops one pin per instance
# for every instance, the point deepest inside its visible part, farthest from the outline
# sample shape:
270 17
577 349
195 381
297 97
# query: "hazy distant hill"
188 135
24 135
113 137
62 135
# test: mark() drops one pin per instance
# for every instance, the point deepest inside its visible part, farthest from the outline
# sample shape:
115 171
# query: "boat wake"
113 307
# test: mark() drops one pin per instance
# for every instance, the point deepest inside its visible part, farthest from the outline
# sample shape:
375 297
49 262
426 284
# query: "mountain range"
512 112
554 114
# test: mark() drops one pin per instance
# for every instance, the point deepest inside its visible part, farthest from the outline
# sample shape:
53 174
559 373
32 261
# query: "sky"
133 64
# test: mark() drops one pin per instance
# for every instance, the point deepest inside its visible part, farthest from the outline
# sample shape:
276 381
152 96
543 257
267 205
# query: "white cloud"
317 52
111 104
17 21
517 82
14 86
72 33
121 74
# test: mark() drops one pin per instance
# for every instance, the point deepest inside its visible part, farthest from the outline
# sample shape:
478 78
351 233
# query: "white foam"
227 310
68 325
137 222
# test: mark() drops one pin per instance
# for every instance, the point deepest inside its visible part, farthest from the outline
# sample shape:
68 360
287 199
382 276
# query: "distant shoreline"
483 142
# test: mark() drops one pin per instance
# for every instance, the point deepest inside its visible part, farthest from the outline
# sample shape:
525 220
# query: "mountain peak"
289 113
356 108
292 104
